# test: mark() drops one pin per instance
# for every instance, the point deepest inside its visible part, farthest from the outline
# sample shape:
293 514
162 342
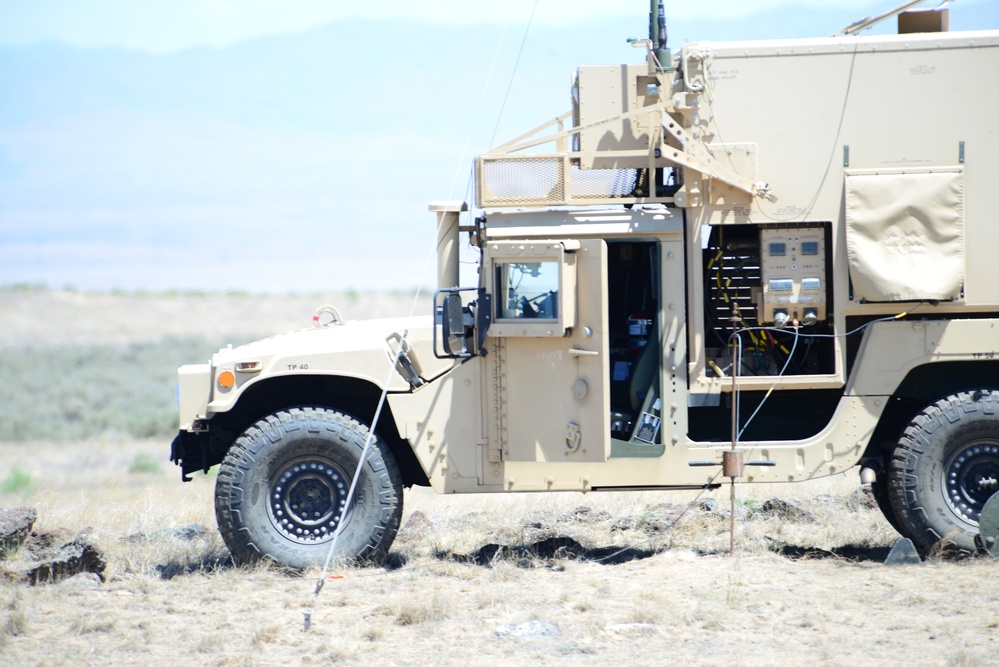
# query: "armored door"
549 373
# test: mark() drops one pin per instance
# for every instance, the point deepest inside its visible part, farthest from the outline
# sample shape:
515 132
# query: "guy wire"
402 342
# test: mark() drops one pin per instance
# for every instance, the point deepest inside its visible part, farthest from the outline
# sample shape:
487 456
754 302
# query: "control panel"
793 272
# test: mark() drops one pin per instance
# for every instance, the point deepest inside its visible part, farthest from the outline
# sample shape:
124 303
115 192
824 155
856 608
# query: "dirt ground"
642 578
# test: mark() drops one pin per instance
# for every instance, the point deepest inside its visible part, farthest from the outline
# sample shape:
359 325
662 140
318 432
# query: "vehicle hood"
363 349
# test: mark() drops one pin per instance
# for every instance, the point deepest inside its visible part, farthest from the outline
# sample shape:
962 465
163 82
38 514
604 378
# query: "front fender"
362 350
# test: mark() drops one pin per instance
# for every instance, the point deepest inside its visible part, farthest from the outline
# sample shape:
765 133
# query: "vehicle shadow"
210 563
548 552
851 552
216 562
551 551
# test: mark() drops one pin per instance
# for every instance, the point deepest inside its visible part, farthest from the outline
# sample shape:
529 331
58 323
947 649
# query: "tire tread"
925 434
341 429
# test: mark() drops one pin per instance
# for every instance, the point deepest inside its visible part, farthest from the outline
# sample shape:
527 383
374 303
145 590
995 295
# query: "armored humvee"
786 249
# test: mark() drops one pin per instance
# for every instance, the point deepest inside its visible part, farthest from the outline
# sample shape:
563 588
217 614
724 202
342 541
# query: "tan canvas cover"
905 234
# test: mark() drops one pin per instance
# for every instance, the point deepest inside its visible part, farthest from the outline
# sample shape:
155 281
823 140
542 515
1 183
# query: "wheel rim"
305 500
971 476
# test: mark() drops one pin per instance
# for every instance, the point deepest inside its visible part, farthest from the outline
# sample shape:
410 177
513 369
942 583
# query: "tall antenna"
657 33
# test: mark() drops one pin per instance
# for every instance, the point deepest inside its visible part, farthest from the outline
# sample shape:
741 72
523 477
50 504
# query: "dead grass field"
34 317
649 583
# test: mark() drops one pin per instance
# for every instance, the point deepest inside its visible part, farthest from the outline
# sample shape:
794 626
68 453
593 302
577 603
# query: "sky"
173 136
164 26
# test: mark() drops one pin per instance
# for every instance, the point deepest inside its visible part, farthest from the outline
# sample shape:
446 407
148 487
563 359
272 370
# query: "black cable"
790 355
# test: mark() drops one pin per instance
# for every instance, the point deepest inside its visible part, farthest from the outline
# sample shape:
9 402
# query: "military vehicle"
781 249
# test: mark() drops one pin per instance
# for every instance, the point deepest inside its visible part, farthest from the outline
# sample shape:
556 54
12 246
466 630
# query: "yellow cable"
752 335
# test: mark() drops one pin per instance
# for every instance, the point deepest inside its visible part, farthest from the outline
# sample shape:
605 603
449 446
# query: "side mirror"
463 329
453 322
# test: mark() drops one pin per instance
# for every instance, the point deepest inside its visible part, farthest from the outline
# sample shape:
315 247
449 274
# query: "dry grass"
172 595
34 318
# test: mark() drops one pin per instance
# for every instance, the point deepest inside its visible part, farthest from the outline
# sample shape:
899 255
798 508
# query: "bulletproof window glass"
527 290
533 287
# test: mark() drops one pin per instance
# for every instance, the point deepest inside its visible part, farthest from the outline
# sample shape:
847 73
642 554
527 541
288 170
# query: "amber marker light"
226 379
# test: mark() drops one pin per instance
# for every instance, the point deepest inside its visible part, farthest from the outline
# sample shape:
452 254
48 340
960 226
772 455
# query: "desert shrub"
76 392
18 481
144 464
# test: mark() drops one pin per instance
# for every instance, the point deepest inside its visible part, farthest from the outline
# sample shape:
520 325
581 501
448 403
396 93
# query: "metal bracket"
407 366
709 464
326 316
695 156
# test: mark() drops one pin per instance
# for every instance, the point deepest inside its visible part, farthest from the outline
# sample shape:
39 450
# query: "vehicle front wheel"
879 489
284 483
944 469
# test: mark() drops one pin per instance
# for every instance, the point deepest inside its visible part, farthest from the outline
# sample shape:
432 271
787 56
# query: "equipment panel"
793 272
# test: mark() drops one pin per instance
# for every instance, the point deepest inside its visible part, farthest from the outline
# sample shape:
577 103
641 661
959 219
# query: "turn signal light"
226 379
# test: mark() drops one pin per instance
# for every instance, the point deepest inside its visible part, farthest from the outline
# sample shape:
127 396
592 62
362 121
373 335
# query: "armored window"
527 290
533 288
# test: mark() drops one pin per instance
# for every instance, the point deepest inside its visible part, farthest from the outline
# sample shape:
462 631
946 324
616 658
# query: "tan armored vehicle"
783 247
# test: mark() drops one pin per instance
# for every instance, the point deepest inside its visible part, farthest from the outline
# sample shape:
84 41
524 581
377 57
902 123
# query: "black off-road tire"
283 482
879 489
944 469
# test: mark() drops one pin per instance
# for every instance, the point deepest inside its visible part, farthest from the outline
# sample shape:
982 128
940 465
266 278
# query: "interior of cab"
529 290
633 299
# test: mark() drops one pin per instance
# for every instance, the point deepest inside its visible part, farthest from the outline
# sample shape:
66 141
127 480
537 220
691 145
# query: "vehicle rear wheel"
944 469
284 482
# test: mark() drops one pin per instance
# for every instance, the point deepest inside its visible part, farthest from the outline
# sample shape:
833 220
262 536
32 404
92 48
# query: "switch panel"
793 272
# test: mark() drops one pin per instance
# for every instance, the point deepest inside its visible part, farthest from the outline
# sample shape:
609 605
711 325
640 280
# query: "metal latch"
406 363
573 437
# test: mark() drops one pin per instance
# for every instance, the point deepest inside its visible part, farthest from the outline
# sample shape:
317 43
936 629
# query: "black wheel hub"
305 500
971 476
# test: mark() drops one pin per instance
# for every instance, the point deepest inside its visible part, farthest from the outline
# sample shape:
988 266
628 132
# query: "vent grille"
549 181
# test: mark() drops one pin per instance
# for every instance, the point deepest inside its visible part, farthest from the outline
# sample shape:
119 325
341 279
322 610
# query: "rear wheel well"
352 396
922 386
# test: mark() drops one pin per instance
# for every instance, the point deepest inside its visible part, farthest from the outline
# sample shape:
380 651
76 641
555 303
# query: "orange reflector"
226 379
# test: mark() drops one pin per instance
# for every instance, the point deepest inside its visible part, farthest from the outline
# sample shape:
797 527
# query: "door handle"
576 352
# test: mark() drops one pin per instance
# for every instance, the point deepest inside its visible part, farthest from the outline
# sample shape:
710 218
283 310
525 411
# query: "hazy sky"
112 181
171 25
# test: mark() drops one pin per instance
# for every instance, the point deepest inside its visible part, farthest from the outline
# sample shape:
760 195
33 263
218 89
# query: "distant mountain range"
282 163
